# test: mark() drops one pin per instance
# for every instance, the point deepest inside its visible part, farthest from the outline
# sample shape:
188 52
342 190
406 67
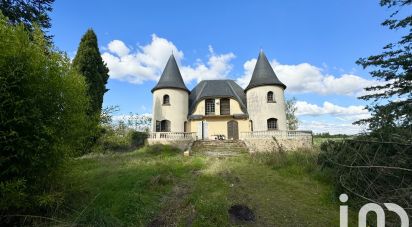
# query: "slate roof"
217 89
171 77
263 74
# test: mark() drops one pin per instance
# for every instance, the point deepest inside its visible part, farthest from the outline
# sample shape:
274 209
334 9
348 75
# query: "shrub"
119 139
370 169
138 138
42 118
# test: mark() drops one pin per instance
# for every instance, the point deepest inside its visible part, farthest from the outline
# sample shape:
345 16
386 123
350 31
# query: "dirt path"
274 198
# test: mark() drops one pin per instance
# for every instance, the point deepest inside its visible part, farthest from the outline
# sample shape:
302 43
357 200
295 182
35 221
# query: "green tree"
291 118
391 105
27 12
89 63
43 104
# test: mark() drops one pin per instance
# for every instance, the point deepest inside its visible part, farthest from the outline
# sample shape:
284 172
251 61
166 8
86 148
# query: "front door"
232 130
202 130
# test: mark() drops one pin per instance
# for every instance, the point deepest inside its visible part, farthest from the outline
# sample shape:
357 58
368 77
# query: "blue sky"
313 46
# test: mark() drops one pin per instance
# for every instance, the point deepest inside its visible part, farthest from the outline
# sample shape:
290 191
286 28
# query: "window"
158 126
251 125
225 106
165 126
210 107
272 124
270 97
166 100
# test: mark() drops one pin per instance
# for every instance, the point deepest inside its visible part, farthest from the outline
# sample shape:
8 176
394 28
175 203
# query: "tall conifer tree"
90 64
392 106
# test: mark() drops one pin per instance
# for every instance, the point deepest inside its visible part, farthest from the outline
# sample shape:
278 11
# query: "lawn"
158 186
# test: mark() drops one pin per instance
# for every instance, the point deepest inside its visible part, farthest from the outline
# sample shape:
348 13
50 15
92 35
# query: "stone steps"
219 148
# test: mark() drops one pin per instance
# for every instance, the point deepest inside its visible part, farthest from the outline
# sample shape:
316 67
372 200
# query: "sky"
312 46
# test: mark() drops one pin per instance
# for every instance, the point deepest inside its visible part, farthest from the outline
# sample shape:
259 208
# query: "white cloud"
305 108
144 64
217 67
306 78
118 47
340 121
148 62
331 127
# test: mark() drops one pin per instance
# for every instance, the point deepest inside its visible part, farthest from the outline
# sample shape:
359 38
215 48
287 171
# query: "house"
219 109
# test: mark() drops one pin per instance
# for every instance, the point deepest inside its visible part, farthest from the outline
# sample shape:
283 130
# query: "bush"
119 139
138 138
42 119
370 169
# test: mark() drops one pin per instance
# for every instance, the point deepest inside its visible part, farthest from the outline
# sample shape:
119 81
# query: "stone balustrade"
256 141
279 134
182 140
172 136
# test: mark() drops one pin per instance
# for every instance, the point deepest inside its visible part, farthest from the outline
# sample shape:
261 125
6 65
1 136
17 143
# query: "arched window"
166 100
270 97
272 123
165 126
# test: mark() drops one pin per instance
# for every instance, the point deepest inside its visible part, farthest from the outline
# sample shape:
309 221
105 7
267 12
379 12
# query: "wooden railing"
172 136
286 134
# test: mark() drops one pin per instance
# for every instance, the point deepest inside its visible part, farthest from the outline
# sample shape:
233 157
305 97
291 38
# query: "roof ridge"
201 89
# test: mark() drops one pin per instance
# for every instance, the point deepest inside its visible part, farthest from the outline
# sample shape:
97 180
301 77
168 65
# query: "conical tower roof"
263 74
171 77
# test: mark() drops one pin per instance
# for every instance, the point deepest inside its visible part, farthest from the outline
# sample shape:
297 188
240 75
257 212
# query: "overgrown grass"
157 185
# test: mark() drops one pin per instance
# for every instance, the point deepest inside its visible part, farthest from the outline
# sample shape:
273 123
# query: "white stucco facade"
260 110
176 112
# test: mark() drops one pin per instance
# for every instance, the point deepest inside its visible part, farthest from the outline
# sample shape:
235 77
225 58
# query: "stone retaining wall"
269 144
181 144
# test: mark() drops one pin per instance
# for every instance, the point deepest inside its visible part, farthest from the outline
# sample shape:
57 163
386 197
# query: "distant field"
317 141
162 187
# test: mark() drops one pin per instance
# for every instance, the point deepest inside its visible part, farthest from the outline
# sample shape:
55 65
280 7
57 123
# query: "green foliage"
43 120
89 63
370 169
27 12
376 167
392 99
119 139
293 122
328 135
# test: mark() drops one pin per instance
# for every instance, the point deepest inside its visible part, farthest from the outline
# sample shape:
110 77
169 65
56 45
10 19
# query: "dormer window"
209 107
166 100
225 106
270 97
